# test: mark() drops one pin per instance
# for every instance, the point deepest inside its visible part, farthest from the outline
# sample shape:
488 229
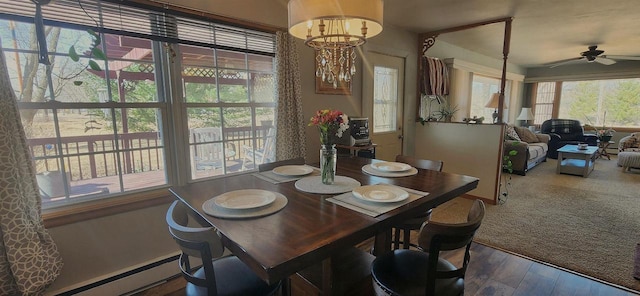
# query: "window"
611 102
545 96
101 133
385 99
614 102
482 89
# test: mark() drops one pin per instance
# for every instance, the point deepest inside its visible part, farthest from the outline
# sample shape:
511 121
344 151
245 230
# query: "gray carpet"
588 225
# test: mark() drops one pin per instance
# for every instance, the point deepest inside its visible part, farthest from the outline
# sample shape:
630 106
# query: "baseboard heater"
146 275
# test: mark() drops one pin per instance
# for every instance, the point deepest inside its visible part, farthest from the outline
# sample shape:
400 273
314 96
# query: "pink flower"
329 122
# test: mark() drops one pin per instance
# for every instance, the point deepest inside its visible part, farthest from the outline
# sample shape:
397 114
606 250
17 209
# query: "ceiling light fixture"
334 28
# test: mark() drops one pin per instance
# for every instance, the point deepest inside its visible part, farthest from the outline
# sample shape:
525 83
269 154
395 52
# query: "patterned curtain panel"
435 78
29 259
290 122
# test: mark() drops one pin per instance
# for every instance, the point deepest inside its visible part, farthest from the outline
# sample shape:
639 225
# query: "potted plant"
507 169
446 112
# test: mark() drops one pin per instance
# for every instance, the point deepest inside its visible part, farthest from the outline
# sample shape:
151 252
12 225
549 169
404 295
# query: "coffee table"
574 161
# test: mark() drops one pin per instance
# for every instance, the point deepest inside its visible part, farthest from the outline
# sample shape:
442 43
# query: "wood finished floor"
491 272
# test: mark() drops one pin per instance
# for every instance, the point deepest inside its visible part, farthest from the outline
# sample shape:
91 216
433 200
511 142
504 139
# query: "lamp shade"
493 102
307 14
525 114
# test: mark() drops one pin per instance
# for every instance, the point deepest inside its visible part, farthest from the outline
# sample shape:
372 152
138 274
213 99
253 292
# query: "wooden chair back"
425 164
270 166
199 242
436 237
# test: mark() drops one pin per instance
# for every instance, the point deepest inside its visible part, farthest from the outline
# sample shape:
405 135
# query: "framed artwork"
323 87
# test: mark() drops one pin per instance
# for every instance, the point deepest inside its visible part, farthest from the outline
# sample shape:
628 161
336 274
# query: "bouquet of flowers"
329 122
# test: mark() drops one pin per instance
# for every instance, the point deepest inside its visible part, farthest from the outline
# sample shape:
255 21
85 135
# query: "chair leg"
285 288
396 238
406 243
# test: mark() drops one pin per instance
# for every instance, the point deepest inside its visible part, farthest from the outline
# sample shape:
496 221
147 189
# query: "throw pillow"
526 135
510 133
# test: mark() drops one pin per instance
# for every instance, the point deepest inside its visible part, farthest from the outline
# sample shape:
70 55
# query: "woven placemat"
314 184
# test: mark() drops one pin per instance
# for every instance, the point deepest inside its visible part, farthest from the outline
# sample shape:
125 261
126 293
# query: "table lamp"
526 115
493 103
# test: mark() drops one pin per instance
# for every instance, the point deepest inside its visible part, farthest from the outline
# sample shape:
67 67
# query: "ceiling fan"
594 55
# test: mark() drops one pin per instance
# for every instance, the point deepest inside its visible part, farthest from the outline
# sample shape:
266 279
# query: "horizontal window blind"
149 22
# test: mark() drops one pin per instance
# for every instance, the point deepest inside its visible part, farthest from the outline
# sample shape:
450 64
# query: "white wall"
95 248
467 149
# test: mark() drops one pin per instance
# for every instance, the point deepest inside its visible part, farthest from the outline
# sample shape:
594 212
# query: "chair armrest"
518 146
554 140
553 136
518 161
544 138
591 140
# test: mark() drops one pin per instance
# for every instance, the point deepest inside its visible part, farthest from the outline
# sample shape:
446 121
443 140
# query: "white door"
383 93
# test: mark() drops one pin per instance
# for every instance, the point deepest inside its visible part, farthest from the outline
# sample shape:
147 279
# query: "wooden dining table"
310 229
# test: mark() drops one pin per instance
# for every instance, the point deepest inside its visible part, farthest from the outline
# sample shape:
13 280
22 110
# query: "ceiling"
543 31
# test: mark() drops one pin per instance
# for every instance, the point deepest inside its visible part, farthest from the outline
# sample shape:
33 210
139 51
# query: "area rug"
587 225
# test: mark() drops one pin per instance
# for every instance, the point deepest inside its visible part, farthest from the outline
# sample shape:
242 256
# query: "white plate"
380 193
391 166
371 171
293 170
244 199
210 208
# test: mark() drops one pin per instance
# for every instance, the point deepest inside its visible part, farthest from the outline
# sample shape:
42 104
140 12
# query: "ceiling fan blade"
563 62
622 57
604 61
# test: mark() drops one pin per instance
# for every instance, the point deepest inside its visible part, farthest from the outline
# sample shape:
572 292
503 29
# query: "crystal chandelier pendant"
334 32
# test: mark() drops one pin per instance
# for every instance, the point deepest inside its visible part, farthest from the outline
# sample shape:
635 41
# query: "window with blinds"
147 22
168 80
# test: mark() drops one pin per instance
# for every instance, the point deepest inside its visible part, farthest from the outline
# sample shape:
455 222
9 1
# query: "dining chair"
415 272
219 274
414 223
270 166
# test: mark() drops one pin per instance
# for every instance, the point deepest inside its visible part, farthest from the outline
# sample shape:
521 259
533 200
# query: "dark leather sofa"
564 132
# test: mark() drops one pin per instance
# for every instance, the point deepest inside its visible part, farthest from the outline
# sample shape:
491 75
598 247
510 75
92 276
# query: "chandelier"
334 28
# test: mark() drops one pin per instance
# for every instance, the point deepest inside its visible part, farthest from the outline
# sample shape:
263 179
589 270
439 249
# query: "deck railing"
94 156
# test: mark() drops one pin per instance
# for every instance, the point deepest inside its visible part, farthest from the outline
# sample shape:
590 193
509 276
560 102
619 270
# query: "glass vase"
328 159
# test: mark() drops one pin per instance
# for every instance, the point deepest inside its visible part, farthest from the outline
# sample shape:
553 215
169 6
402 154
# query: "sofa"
531 148
630 143
564 132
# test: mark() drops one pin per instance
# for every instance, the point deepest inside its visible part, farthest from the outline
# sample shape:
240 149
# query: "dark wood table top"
309 229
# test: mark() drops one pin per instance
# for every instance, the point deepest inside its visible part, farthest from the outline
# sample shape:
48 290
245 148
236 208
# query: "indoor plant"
446 112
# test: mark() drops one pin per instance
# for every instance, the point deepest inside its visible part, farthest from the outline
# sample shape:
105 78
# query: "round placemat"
314 184
371 171
210 208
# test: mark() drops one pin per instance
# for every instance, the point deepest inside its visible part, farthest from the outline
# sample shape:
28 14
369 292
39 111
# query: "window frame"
558 98
132 200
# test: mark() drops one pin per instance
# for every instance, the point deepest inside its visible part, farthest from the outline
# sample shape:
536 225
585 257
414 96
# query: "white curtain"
290 122
29 259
